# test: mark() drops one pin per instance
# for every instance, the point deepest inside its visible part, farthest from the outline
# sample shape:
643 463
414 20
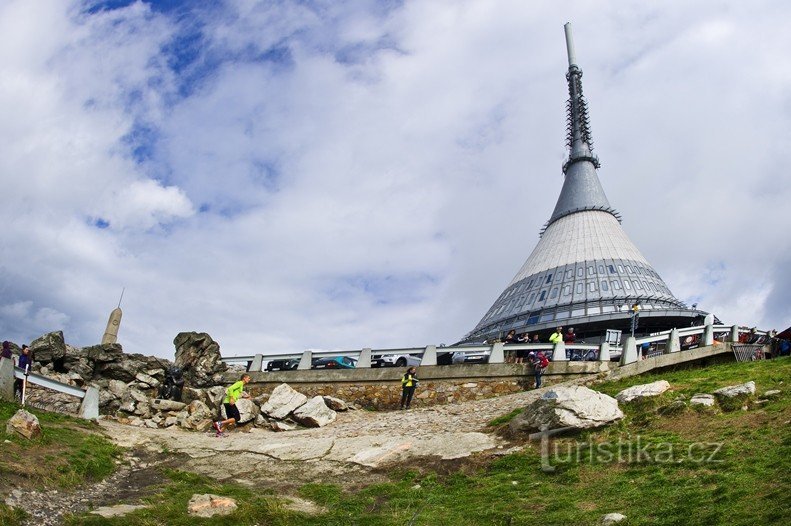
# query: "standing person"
557 336
408 383
24 364
540 362
232 394
6 350
570 337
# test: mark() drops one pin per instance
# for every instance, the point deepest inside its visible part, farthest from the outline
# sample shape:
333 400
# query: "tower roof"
584 270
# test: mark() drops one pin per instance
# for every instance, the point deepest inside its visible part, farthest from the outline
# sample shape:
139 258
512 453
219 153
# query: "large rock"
248 411
637 392
336 404
198 356
568 406
314 413
48 348
166 405
282 401
702 399
208 505
24 424
124 369
108 352
735 396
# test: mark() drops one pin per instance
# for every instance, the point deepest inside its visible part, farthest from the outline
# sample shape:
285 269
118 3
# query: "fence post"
604 352
673 343
429 355
559 352
258 363
735 334
498 353
306 362
629 353
364 361
7 379
708 334
89 408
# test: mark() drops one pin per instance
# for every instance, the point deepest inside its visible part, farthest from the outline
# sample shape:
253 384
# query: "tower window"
549 278
612 269
579 288
543 295
616 285
604 286
567 290
629 269
601 269
626 284
554 293
568 273
592 286
590 270
579 272
637 285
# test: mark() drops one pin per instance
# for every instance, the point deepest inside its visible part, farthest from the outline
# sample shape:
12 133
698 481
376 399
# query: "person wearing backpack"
540 363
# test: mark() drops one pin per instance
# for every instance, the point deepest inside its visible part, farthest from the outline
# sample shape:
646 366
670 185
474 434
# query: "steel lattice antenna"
578 133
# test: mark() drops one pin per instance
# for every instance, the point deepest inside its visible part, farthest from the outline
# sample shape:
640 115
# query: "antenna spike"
122 297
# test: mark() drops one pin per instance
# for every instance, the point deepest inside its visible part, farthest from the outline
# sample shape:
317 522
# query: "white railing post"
604 352
708 334
629 353
429 355
735 334
258 363
498 353
364 361
7 379
89 408
306 362
559 352
673 343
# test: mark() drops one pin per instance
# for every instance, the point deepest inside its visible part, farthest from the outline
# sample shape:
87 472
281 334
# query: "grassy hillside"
690 467
68 453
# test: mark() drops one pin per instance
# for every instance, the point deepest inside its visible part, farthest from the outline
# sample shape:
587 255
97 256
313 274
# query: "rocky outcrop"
24 424
283 401
49 347
198 356
638 392
568 406
735 396
314 413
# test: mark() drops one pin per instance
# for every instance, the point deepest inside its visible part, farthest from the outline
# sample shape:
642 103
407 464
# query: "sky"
338 175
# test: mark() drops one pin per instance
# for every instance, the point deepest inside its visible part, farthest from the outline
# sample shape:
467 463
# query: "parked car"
282 365
334 362
457 357
395 360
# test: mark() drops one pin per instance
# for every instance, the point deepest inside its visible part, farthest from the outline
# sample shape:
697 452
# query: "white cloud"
357 175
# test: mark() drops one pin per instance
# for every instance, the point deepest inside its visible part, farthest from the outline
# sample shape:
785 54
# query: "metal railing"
664 342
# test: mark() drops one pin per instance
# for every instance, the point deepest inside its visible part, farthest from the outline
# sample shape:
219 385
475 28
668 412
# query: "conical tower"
584 272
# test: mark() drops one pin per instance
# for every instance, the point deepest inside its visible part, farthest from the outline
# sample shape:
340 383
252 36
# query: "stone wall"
380 388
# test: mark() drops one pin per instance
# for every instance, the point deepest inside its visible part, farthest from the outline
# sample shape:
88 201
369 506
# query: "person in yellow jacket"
556 336
232 394
408 383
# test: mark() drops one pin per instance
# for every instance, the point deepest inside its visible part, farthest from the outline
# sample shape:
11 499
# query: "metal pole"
570 44
24 384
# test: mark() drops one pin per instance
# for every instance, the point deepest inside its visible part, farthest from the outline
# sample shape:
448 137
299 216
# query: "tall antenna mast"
122 297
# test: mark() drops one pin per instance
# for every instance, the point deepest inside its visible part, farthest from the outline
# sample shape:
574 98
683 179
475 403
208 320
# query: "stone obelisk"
113 324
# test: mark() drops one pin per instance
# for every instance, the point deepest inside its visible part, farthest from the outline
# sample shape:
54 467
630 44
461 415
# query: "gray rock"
612 518
48 348
314 413
702 399
283 401
198 355
166 405
171 421
117 388
109 352
773 393
734 391
24 424
278 426
149 380
336 404
568 406
638 392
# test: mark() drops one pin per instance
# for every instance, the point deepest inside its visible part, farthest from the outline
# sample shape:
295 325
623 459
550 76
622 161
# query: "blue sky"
291 175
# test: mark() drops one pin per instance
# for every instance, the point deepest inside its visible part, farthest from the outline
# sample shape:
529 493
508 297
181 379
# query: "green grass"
68 453
741 479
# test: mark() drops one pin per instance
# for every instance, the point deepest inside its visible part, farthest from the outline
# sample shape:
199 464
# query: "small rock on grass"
208 505
612 518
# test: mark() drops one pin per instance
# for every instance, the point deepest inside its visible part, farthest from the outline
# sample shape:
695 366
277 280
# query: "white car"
395 360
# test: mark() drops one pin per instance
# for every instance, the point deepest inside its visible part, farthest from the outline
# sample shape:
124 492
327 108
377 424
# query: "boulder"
147 379
48 348
279 426
773 393
734 396
612 518
336 404
705 400
198 356
208 505
123 369
117 387
248 411
108 352
637 392
283 401
24 424
166 405
568 406
196 415
314 413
